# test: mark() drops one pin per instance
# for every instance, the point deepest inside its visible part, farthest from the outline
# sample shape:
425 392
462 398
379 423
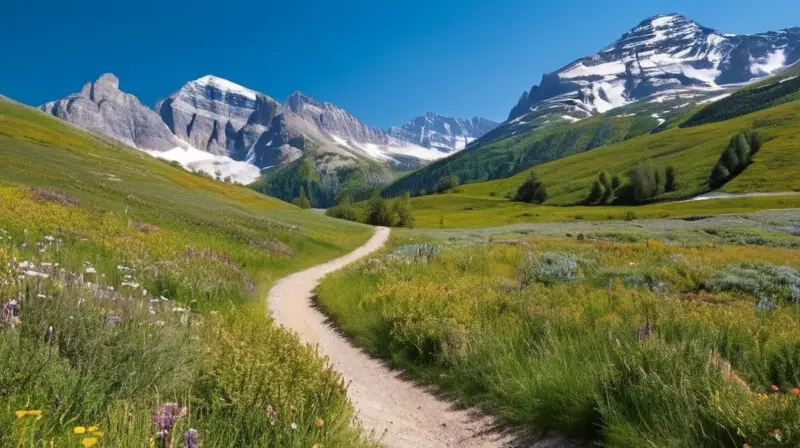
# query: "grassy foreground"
626 339
131 302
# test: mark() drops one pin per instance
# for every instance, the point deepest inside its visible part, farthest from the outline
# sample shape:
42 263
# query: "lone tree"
303 201
671 179
378 213
532 191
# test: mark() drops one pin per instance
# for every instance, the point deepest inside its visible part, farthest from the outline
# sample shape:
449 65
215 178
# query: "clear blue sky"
385 61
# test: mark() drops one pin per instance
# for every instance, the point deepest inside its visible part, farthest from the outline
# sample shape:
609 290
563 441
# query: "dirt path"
398 413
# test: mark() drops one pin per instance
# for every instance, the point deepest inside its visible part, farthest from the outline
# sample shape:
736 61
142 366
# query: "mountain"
446 134
101 107
232 132
650 76
663 57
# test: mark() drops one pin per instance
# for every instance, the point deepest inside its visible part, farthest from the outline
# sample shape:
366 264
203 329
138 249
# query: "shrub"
671 179
532 191
446 183
645 181
401 212
344 211
550 268
378 212
762 281
736 157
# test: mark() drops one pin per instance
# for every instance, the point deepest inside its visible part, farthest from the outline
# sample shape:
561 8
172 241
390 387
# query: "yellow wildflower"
763 397
319 423
89 441
93 429
29 413
35 413
21 414
79 430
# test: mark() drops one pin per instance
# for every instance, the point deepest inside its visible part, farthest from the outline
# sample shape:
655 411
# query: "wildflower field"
132 309
670 334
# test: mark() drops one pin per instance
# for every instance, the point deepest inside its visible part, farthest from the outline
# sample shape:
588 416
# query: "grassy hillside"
128 284
504 157
691 151
665 334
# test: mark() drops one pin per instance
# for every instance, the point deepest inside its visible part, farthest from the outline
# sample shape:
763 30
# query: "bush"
446 183
401 211
532 191
378 212
762 281
671 179
346 212
550 268
645 182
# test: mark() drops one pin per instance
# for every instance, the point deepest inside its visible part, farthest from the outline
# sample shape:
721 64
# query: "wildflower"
778 435
166 417
28 413
79 430
90 270
113 320
294 426
89 442
763 397
271 414
93 429
774 388
15 322
191 438
796 391
319 423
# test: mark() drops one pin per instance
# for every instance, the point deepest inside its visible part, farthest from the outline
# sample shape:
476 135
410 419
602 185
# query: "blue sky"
385 61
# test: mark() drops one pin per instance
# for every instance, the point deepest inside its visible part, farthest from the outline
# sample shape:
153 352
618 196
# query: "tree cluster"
736 157
394 213
644 183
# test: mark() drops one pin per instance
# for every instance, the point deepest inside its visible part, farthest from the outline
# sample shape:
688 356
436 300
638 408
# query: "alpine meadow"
187 261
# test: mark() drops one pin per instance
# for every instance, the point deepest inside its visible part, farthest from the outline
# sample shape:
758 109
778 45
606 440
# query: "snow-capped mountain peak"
665 55
211 82
445 134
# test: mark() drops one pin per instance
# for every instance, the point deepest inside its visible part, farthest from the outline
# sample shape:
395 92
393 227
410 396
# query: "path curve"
398 413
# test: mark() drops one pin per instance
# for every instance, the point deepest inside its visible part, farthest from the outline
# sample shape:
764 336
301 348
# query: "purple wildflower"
113 320
191 438
166 417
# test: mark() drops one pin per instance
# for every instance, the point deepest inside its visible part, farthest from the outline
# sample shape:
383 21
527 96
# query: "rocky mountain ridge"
663 58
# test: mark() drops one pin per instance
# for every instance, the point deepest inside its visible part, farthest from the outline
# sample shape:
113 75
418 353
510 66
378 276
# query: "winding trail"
397 412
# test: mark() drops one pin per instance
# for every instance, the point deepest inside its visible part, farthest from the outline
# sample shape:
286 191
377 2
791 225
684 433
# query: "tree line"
379 211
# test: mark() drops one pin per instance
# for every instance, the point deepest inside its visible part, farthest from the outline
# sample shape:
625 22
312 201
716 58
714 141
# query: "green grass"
208 247
692 151
511 326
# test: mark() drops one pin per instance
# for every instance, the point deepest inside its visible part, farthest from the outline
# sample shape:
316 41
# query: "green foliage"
401 209
303 201
447 183
378 212
344 211
532 191
554 334
671 179
736 157
504 157
745 102
603 190
209 247
646 182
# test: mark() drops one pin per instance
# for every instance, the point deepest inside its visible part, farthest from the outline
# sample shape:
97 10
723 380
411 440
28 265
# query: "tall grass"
137 285
641 349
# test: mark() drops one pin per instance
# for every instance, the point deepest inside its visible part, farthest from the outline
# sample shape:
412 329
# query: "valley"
615 264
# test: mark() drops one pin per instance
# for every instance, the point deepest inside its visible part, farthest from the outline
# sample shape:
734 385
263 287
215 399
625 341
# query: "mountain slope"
662 56
652 75
101 107
137 266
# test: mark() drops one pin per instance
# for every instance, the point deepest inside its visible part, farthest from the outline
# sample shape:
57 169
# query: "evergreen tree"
742 148
596 193
304 202
615 182
730 160
532 191
719 175
671 179
644 182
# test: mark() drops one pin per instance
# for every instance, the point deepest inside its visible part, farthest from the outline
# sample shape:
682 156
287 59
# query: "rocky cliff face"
663 56
211 114
445 134
101 107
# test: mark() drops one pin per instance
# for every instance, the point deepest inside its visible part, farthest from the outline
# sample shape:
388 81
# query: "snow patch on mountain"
219 167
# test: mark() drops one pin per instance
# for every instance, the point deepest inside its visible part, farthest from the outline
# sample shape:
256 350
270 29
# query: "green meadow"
680 335
133 297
